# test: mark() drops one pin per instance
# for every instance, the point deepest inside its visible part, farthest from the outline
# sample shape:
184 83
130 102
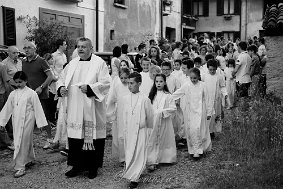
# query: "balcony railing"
188 20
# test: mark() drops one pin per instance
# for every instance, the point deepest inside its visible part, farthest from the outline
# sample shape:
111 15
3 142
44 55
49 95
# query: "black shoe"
73 172
92 174
64 152
133 185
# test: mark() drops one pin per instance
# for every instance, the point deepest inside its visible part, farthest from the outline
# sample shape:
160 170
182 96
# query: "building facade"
80 18
171 24
229 18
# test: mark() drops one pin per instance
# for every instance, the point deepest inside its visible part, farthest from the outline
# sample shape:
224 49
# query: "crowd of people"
172 95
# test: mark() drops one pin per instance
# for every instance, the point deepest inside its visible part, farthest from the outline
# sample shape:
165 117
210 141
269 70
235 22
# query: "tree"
45 34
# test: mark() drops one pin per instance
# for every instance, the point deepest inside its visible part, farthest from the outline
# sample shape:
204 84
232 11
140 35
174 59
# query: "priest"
85 83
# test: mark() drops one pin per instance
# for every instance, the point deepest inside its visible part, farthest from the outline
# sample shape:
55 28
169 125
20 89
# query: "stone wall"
275 65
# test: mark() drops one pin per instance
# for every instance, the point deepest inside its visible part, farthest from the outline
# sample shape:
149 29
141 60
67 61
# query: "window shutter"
237 6
219 7
205 7
9 25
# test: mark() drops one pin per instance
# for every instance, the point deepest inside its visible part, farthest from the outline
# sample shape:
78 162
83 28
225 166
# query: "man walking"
39 77
242 70
85 83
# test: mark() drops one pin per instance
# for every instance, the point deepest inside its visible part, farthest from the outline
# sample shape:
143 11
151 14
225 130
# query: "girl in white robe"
162 146
230 82
196 113
215 85
25 108
114 112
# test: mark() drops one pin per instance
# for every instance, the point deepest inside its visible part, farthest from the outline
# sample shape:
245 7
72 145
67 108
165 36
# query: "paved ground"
48 172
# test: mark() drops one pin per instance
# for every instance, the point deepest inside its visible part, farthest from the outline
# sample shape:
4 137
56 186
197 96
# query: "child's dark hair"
197 59
153 90
127 63
231 62
223 52
243 45
147 59
20 75
196 71
124 70
166 63
137 76
47 56
213 63
188 62
209 57
252 48
178 61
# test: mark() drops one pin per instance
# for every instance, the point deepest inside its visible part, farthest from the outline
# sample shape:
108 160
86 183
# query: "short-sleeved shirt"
60 60
243 73
3 78
12 66
36 71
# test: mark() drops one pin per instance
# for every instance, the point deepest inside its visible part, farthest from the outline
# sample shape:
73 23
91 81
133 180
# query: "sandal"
20 173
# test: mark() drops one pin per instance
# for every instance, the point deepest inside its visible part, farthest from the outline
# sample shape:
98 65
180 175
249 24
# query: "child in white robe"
114 112
178 73
162 145
215 84
187 64
147 81
25 108
230 82
197 113
171 81
173 84
138 117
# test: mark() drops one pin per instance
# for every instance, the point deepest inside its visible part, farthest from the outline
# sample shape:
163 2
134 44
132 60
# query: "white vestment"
138 118
162 146
114 112
195 116
146 84
26 110
81 109
215 85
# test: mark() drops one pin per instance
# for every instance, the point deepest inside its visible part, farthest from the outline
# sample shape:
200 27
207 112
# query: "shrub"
252 148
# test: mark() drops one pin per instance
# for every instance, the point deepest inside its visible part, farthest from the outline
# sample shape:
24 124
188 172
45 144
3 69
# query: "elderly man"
85 83
13 63
4 87
39 77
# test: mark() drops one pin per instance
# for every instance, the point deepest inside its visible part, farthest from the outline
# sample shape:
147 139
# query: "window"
187 7
9 26
200 7
228 7
122 2
112 34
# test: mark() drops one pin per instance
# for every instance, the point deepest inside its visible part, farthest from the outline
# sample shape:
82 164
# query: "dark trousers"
52 107
88 160
243 89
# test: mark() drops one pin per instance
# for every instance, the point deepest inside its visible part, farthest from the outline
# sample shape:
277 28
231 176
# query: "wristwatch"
41 86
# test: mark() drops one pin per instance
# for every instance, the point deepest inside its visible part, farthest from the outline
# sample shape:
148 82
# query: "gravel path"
48 172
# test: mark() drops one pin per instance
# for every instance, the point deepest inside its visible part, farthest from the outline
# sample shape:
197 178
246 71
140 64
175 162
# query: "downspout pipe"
97 26
161 18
